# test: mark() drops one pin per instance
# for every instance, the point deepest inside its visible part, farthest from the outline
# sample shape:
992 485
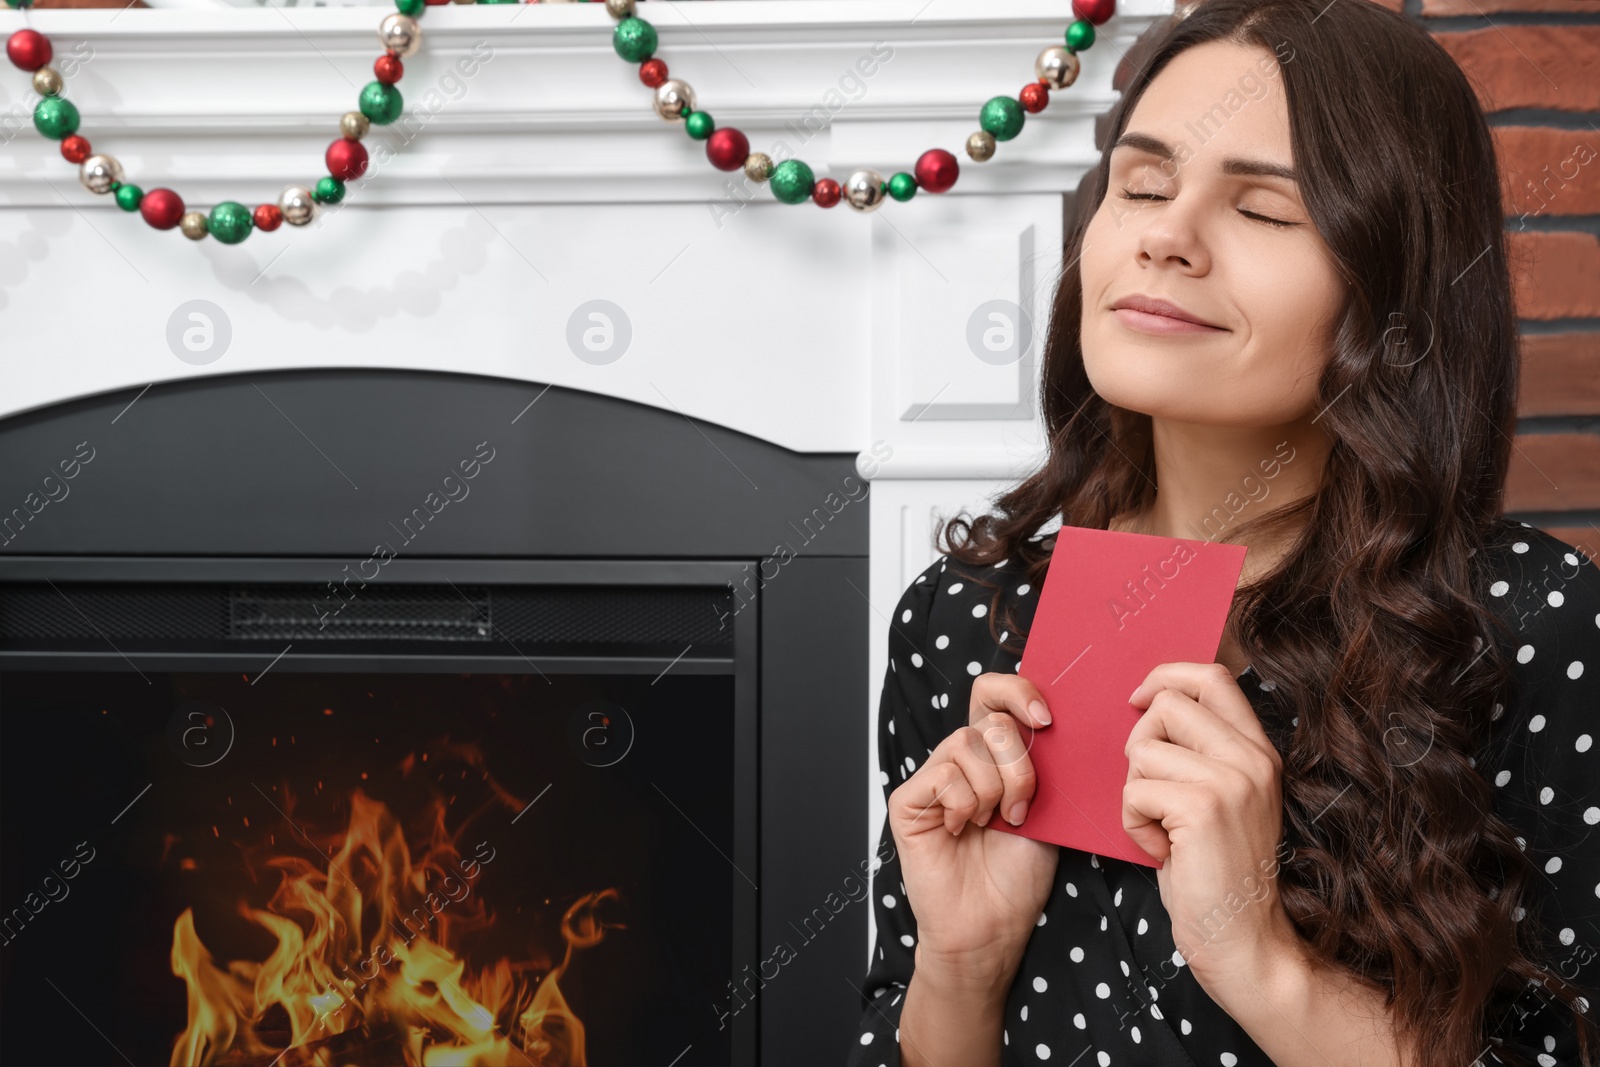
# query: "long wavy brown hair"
1373 621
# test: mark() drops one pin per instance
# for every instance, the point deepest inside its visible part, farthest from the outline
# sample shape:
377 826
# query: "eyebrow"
1143 142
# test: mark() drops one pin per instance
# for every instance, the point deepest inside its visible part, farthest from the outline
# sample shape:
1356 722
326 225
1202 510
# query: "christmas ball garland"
635 40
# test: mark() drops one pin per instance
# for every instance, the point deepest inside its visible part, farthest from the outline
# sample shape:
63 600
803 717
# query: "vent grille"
668 616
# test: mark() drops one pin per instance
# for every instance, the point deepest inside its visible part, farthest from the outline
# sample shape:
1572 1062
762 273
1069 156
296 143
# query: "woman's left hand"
1204 796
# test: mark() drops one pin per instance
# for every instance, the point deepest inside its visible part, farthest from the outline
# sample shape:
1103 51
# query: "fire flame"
366 967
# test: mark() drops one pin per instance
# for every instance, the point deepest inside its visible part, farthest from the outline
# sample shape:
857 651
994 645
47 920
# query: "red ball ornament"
74 149
161 208
727 148
267 217
653 72
388 68
29 49
346 159
1095 11
1034 97
936 170
826 192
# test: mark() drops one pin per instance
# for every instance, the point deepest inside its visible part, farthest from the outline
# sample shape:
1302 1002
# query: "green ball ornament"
699 125
792 181
230 222
329 190
128 197
1002 117
634 39
1080 35
55 117
409 8
381 103
19 4
902 187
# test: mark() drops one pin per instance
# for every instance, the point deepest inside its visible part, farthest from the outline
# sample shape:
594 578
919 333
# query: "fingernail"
1134 694
1039 711
985 818
1018 810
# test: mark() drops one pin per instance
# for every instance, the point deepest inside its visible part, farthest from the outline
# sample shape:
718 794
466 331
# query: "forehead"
1216 100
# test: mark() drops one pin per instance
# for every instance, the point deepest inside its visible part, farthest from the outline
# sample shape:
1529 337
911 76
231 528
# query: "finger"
1154 758
1009 752
969 749
1010 693
1147 802
1176 717
924 801
1210 684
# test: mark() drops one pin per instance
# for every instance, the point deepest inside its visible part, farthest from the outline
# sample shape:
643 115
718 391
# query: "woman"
1400 742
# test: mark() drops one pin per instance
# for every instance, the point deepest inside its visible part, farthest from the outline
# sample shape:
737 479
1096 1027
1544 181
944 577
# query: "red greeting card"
1113 607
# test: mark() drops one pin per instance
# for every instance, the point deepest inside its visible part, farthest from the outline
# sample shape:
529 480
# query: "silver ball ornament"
758 166
864 190
672 96
194 225
1056 67
47 81
619 9
99 173
298 205
354 125
400 34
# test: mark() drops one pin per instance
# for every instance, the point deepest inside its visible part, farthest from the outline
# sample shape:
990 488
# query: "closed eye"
1248 214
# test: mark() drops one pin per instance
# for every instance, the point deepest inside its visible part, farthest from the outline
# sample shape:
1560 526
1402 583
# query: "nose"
1168 234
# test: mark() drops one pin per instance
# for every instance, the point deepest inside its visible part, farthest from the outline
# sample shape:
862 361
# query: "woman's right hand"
977 894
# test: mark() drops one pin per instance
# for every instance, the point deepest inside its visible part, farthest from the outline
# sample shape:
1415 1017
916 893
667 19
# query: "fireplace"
548 419
472 732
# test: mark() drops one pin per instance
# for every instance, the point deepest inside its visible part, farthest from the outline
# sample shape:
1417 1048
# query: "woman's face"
1196 238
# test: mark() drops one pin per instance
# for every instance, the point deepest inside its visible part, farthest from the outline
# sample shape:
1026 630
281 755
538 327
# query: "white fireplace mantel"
530 178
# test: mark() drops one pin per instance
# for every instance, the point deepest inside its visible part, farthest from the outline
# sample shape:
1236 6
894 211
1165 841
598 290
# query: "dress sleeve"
1548 783
910 727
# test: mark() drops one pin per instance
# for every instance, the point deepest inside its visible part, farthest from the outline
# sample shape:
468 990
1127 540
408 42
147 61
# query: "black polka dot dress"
1101 981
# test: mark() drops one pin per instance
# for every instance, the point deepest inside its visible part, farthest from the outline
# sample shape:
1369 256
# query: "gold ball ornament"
619 9
400 34
298 205
47 81
193 225
758 166
1056 67
354 125
864 190
99 173
672 96
980 146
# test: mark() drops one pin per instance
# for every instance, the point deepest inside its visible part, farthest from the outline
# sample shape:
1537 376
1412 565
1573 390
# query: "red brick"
1529 66
1546 171
1560 374
1553 275
1554 472
1438 8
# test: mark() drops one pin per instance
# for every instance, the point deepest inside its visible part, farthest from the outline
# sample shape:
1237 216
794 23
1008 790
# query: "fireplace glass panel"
294 867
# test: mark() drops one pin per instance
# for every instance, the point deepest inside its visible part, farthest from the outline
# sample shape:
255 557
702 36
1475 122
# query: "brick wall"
1536 67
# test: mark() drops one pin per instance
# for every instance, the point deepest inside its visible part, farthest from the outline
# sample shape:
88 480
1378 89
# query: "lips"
1150 305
